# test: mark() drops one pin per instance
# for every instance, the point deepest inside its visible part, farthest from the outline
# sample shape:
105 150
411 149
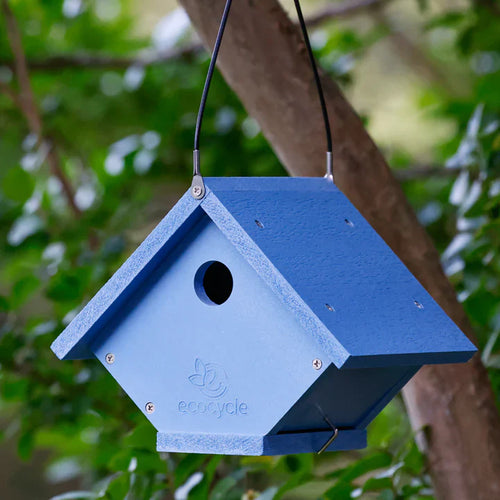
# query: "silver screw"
150 407
110 358
197 191
317 364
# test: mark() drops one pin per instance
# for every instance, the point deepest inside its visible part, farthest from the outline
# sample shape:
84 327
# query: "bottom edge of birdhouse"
271 444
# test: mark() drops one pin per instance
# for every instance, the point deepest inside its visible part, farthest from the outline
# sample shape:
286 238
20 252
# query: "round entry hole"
213 283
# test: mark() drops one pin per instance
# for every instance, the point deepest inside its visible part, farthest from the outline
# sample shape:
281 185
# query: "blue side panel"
387 397
331 262
349 398
276 444
73 342
234 368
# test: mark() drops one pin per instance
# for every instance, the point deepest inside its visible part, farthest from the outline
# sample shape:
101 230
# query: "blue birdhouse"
266 318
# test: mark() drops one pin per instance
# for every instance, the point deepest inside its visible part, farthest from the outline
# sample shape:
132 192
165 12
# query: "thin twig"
425 172
344 10
26 97
27 103
104 61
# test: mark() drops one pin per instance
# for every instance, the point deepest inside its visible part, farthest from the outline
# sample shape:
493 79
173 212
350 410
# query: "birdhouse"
266 318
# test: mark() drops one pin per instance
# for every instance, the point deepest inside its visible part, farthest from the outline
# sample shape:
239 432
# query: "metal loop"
334 429
332 439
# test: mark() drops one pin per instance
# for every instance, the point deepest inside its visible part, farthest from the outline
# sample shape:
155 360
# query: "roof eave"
74 341
409 359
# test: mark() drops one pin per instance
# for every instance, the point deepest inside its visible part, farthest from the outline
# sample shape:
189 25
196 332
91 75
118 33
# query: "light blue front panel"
233 368
329 254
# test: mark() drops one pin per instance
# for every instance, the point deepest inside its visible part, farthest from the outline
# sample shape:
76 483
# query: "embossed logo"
209 378
212 381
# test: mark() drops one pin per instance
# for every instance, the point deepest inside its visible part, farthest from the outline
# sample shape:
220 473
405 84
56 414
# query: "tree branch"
27 104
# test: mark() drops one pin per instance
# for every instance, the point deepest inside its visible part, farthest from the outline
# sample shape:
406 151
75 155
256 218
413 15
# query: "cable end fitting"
329 166
197 186
196 162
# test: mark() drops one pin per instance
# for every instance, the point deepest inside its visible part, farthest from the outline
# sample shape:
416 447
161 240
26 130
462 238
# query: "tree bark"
264 60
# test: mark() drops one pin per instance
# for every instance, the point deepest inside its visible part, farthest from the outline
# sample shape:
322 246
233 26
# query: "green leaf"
18 185
341 491
4 304
223 487
22 290
201 490
376 484
386 495
67 287
447 20
297 479
15 389
25 445
414 460
363 466
142 437
187 467
299 463
118 487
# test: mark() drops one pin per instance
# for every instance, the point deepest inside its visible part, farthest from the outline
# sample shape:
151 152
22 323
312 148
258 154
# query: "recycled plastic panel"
166 338
329 254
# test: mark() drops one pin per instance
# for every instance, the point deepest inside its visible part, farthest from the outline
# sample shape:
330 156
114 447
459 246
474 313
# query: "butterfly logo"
209 378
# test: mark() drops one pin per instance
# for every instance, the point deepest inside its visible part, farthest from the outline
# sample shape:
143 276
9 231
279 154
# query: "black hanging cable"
210 74
198 186
319 88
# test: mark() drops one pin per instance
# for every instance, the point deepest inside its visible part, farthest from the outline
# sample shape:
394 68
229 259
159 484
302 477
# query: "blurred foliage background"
116 86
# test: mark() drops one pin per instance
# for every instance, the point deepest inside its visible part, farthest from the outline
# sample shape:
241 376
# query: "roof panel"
340 267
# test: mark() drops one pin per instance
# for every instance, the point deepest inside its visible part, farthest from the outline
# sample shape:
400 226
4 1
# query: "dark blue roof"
319 255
